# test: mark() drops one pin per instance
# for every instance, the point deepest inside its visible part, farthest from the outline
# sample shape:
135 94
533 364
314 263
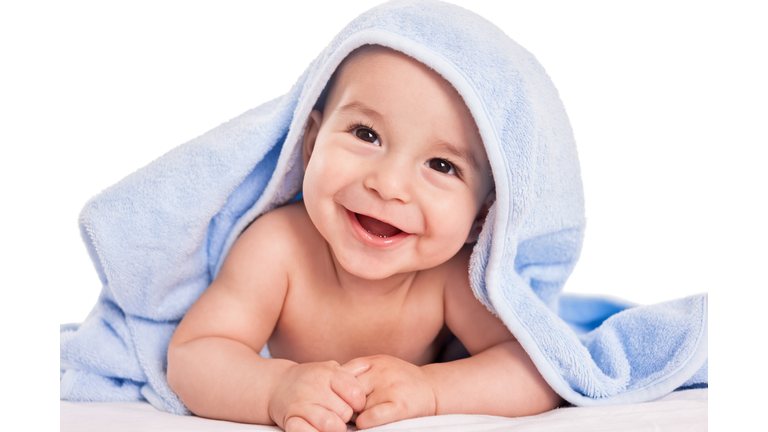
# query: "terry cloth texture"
159 237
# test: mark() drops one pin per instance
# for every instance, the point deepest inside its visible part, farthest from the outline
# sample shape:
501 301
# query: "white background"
667 101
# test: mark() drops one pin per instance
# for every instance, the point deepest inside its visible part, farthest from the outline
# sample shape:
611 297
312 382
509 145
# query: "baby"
356 288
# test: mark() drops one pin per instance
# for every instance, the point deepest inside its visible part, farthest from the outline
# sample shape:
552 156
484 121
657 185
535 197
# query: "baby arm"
498 379
213 363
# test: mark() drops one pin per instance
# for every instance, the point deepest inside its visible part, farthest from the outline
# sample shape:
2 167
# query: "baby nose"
390 180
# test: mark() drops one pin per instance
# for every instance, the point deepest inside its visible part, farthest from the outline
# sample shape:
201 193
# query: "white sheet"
679 411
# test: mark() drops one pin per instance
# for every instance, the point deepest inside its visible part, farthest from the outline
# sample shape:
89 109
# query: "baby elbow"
545 402
172 369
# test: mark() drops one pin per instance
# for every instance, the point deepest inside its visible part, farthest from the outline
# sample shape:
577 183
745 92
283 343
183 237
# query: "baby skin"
356 288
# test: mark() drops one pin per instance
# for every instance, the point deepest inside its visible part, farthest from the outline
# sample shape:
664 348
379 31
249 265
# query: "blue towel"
159 237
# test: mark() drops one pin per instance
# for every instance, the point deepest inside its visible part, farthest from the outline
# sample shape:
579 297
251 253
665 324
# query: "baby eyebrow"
361 108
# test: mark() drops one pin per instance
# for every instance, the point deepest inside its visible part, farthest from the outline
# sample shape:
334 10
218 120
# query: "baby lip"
377 227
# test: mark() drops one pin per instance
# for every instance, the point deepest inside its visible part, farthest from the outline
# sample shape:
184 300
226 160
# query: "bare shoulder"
280 237
278 231
245 300
455 273
476 327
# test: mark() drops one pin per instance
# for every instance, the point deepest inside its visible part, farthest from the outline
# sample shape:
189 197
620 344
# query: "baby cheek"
330 166
454 222
317 177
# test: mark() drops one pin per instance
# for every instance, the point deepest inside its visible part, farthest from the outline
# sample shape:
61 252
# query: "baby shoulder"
456 270
272 241
279 231
468 319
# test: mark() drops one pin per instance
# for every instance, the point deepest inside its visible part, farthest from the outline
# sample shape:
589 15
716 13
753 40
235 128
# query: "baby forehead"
377 71
376 61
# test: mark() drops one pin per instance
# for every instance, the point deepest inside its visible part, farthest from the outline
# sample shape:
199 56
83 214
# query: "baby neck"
395 285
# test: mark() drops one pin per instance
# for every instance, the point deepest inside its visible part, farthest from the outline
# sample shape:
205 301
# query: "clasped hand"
324 396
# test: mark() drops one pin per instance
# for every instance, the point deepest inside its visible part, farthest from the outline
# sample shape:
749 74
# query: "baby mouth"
377 227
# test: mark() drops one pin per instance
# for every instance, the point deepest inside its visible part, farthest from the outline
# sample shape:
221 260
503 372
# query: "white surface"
679 411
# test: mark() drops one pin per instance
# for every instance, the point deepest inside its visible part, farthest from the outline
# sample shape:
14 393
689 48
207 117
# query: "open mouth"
376 227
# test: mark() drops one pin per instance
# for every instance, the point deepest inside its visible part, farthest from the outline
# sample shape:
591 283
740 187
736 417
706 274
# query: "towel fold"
159 237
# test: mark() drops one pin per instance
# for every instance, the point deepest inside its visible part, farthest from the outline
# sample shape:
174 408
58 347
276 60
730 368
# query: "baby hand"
395 390
316 397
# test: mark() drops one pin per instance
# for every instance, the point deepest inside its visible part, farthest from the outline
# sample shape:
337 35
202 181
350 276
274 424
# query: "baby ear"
310 135
477 224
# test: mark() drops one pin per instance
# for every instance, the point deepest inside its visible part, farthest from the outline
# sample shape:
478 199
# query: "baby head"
396 175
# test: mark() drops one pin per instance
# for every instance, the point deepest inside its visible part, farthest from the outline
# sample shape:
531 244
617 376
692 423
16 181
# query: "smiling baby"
356 288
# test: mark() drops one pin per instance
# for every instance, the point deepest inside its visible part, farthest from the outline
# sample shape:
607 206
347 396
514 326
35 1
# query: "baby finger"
298 424
378 415
349 390
336 405
322 419
357 366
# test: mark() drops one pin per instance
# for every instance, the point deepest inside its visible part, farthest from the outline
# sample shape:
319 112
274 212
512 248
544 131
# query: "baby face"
395 170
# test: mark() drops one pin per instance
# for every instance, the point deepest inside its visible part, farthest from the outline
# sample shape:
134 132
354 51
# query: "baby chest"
325 329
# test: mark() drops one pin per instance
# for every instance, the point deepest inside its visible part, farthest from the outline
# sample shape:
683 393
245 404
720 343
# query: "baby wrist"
433 384
276 407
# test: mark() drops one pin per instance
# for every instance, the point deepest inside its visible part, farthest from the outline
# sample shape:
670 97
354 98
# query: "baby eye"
366 135
441 165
